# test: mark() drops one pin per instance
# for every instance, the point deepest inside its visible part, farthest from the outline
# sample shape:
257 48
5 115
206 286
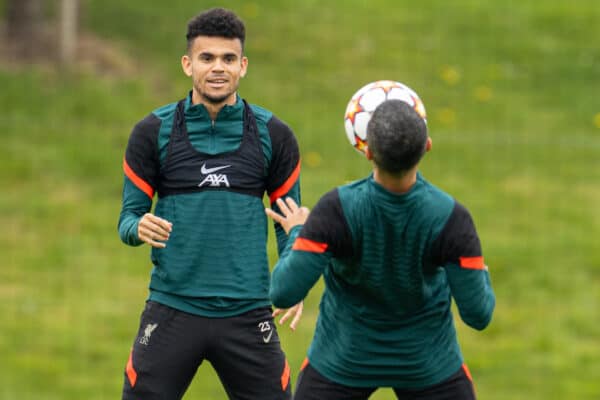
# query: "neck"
395 183
213 108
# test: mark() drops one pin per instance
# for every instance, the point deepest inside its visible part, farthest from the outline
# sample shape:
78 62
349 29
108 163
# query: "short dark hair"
396 136
216 22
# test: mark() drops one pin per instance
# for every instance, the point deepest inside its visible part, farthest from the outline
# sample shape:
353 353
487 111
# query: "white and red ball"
365 101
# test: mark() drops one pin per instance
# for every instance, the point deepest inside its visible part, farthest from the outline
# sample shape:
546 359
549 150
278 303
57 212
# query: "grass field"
511 90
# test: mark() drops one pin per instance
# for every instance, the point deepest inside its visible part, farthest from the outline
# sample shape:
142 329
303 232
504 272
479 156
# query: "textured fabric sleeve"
141 167
327 224
458 249
284 170
134 205
309 251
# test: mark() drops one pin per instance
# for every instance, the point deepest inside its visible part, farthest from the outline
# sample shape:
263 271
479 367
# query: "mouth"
216 82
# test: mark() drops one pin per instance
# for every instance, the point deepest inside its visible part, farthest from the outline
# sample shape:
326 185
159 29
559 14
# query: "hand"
291 215
296 311
154 230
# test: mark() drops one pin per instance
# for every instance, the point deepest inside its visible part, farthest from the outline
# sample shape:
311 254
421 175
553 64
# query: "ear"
428 144
244 62
186 64
368 153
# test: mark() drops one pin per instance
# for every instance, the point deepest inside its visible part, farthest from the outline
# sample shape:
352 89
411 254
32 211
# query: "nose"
218 65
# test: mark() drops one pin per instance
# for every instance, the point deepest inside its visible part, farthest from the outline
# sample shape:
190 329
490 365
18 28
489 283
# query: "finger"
295 321
155 232
158 245
297 316
276 312
156 223
166 225
272 214
147 238
286 316
159 229
291 204
283 207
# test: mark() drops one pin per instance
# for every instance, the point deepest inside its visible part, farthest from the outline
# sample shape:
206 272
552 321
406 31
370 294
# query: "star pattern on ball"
353 109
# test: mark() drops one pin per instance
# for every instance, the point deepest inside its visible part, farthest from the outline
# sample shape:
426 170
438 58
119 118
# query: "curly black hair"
216 22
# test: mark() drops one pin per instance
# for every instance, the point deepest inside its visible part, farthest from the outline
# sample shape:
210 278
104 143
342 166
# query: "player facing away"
208 159
393 250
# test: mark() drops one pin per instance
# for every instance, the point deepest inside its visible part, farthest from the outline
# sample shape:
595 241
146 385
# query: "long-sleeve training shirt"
391 265
209 179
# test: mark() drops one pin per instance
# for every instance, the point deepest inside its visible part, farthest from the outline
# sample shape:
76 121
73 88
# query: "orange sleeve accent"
304 363
467 372
131 374
472 262
137 181
309 245
285 376
287 185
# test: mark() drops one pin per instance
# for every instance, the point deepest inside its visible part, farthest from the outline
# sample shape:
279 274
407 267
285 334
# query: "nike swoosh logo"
206 171
267 338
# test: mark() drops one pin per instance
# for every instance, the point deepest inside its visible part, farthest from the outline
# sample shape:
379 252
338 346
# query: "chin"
216 99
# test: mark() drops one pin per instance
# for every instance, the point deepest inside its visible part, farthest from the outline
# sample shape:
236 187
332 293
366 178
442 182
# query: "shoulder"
261 114
353 191
152 122
329 200
460 218
276 126
434 194
327 224
166 111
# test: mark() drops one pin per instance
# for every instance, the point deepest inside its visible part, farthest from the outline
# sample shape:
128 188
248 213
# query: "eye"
230 58
205 57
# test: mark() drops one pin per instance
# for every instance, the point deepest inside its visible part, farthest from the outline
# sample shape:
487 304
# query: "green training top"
209 178
391 264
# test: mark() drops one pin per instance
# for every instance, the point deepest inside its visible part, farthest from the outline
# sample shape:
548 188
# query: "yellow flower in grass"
450 75
483 93
447 116
597 120
312 159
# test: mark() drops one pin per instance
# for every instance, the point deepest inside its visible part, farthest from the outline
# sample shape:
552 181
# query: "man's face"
215 65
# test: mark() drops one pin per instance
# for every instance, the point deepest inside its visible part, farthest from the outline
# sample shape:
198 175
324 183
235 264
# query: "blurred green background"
511 90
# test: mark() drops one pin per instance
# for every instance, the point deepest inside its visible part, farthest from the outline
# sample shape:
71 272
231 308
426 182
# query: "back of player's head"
396 136
217 22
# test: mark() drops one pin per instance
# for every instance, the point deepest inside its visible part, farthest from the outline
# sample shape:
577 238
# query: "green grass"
510 90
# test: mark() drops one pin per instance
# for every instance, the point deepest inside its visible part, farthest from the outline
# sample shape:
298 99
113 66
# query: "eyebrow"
208 53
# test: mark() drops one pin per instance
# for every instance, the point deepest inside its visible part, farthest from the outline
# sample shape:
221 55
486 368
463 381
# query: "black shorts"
170 346
314 386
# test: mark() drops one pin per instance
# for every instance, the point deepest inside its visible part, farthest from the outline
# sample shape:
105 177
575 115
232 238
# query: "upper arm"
141 163
458 249
327 225
284 168
324 235
140 166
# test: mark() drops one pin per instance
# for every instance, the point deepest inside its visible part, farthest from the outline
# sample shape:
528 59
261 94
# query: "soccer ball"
365 101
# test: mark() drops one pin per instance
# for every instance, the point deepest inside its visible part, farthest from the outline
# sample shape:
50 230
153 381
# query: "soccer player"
209 159
393 250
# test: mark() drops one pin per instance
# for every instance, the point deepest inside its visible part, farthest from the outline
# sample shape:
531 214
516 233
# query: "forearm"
295 274
281 236
474 296
135 204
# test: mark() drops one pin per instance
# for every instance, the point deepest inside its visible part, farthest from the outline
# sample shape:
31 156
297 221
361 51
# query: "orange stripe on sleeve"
467 372
304 364
285 376
137 181
131 374
309 245
287 185
472 262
